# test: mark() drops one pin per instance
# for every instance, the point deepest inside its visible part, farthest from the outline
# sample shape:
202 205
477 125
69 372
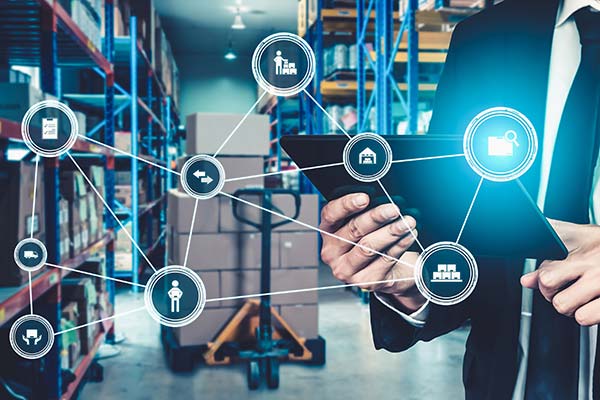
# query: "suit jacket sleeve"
390 330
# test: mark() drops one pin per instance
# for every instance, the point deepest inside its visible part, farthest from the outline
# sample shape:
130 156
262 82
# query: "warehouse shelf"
345 89
85 362
41 33
22 37
11 130
13 300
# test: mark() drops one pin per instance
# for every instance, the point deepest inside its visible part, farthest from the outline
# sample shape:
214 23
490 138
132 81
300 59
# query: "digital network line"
129 154
239 123
410 230
32 228
427 158
314 289
286 171
35 178
316 229
100 320
112 212
469 211
94 275
327 114
187 249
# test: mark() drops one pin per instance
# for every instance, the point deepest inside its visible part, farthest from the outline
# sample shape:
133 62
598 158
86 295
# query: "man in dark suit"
541 57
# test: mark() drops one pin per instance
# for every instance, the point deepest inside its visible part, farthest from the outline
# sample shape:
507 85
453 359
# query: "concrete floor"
354 370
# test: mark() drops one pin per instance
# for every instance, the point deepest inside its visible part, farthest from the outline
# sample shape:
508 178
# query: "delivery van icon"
29 254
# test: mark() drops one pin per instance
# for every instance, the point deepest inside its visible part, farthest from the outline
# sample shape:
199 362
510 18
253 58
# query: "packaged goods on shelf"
16 206
121 15
83 292
206 132
123 194
123 141
123 248
64 232
85 221
16 98
88 20
307 15
424 5
70 340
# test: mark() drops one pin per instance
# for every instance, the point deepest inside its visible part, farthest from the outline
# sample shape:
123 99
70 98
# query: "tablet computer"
504 220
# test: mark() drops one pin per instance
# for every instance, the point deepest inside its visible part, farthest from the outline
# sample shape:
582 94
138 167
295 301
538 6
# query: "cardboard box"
180 210
16 202
293 279
16 98
64 243
205 328
303 319
212 284
70 340
238 283
123 141
83 292
206 132
221 251
283 204
298 249
72 185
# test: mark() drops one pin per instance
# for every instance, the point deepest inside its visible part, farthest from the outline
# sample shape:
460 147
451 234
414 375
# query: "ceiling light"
238 23
230 55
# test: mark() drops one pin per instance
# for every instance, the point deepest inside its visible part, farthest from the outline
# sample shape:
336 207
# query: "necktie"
553 367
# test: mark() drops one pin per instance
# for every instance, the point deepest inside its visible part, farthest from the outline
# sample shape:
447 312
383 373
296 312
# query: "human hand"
572 285
379 230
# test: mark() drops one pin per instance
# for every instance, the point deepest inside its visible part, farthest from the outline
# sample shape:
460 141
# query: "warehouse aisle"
140 372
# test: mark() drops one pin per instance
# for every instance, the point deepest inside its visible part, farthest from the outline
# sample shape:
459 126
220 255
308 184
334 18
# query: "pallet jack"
274 339
256 334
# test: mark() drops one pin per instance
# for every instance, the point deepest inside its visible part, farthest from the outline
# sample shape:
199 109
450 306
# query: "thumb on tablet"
530 280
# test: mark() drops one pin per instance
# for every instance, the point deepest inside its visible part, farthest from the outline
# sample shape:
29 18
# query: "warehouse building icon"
446 273
367 157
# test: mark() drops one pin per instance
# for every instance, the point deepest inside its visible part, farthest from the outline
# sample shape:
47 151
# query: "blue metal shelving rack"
41 33
153 145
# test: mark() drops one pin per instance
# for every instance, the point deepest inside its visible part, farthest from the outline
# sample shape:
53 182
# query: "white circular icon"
283 64
49 128
30 254
31 336
446 273
367 157
202 176
175 296
500 144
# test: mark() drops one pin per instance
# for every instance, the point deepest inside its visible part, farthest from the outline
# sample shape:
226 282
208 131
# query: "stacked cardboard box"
17 215
206 132
227 256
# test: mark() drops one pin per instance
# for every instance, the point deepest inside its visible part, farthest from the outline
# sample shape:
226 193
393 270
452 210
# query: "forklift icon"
29 254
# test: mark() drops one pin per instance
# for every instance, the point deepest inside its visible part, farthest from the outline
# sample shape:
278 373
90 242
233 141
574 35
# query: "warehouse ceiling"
204 26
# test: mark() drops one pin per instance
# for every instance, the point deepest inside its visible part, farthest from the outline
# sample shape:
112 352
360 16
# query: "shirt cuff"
416 319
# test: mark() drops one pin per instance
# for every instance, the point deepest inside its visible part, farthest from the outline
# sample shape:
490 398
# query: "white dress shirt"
564 62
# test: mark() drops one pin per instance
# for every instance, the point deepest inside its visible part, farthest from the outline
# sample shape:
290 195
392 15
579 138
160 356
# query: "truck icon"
28 254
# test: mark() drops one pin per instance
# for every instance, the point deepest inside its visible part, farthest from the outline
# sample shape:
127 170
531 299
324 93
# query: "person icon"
278 60
175 295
